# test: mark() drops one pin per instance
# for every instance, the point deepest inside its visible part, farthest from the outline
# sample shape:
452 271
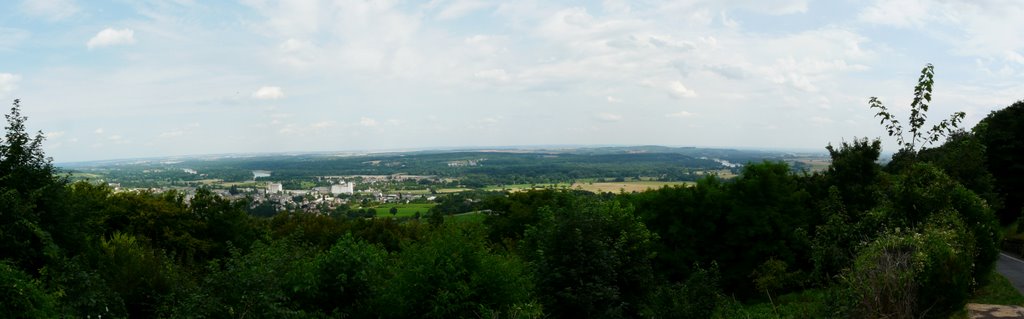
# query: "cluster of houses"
464 163
315 200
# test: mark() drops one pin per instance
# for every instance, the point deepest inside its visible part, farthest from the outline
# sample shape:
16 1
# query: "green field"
473 217
413 191
628 187
521 187
451 190
80 175
404 210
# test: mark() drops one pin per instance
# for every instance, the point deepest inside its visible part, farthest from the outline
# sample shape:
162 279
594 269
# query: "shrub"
259 283
906 274
697 297
452 274
339 281
592 261
23 297
139 275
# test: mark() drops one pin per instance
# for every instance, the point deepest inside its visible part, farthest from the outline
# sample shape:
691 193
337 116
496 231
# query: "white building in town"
343 188
274 188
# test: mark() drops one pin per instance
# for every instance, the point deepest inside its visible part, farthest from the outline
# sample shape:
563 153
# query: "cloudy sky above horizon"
123 79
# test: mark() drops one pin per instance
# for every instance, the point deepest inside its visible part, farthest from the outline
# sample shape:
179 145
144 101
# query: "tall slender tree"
26 175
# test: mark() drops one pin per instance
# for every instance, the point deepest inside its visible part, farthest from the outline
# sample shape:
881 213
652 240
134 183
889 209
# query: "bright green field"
79 175
404 210
474 217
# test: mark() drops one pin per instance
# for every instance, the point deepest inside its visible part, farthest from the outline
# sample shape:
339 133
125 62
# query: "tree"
918 115
593 260
451 273
340 281
963 157
393 211
23 296
855 173
1002 133
30 197
23 166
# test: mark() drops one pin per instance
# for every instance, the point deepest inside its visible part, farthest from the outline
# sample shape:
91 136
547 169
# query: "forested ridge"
913 238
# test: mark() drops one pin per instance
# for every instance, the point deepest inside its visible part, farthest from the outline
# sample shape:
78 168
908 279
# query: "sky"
128 79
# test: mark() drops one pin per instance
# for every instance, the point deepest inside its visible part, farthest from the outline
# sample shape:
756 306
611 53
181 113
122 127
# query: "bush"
80 290
340 281
23 297
924 190
914 274
259 283
697 297
138 274
452 274
592 261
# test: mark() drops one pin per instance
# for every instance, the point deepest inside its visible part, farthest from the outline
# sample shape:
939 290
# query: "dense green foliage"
592 259
1002 134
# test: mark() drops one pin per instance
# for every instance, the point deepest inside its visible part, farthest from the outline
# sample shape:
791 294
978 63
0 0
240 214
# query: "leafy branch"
918 115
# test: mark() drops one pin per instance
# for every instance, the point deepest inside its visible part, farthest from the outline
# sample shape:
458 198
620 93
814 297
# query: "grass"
473 217
451 190
243 184
810 303
404 210
629 187
80 175
998 291
413 191
521 187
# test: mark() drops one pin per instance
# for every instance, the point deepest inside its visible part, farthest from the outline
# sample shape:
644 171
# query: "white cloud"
609 117
321 125
612 99
50 9
174 133
460 8
678 90
680 114
8 82
114 137
782 7
498 75
368 122
821 120
111 36
54 135
900 13
11 38
616 6
796 80
989 29
731 72
729 22
98 131
299 53
268 93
